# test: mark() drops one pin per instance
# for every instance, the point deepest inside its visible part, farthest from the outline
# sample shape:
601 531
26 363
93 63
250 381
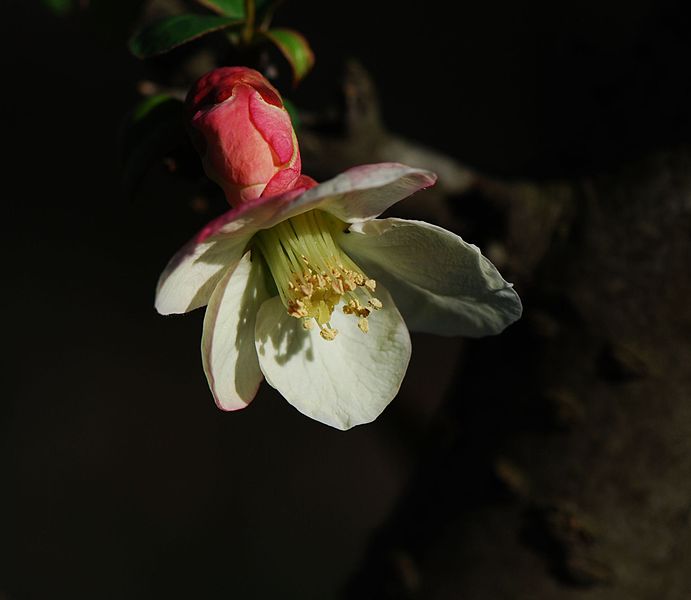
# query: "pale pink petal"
357 195
191 275
259 213
362 193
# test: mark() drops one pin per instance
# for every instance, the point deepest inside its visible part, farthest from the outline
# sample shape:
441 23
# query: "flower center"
313 275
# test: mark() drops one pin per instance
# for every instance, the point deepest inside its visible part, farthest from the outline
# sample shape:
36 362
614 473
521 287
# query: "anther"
375 303
328 334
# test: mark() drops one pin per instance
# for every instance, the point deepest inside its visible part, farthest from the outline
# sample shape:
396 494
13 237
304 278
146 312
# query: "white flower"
304 289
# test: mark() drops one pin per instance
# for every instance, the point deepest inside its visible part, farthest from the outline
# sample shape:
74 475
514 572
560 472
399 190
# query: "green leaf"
59 7
164 35
154 128
264 6
147 106
234 8
228 8
295 48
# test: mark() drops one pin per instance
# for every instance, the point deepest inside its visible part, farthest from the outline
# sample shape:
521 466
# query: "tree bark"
560 465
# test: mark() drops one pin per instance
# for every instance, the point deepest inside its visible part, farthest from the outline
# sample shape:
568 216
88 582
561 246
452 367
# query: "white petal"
228 353
364 192
440 283
356 195
344 382
194 272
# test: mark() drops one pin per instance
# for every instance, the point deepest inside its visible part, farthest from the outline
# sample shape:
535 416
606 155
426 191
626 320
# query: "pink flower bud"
243 133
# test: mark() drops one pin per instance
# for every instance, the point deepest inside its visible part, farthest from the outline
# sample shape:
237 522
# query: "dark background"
120 478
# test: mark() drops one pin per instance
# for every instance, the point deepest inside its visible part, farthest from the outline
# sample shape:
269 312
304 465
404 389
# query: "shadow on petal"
284 333
253 296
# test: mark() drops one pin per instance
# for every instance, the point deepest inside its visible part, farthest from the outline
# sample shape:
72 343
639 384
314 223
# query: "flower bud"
243 134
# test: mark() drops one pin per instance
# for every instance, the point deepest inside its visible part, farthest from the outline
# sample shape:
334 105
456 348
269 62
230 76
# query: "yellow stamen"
328 334
313 275
375 303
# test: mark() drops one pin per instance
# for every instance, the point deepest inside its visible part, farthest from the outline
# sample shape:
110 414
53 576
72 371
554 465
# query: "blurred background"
553 461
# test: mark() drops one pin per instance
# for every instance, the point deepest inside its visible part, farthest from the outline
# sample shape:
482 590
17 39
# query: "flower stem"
248 31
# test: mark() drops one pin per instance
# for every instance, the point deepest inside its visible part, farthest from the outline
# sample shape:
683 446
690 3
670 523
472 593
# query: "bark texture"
563 469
